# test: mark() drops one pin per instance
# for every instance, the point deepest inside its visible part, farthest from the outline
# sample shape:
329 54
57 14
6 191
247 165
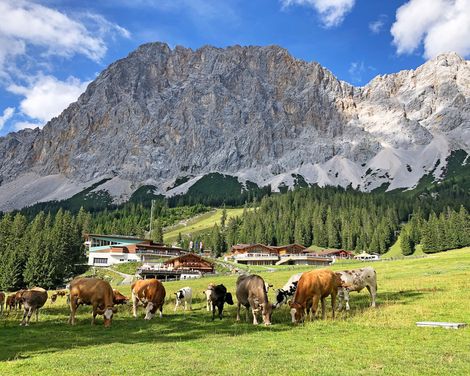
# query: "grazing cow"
151 293
53 298
18 301
219 297
94 292
62 292
356 280
32 300
10 302
287 291
208 294
2 301
118 298
251 292
312 287
184 295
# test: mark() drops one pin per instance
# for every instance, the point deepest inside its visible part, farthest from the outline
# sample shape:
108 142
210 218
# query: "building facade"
260 254
107 250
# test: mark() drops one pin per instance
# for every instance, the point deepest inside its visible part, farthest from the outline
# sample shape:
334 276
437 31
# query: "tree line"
44 252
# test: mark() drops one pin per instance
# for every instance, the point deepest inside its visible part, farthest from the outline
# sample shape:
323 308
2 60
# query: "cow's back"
357 279
320 282
35 297
92 290
250 285
151 290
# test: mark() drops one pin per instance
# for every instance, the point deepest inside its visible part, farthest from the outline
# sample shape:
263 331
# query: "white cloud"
24 23
7 114
332 12
377 26
18 126
439 26
47 96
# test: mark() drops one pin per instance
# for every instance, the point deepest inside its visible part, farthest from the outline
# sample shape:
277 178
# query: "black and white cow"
219 297
184 295
356 280
287 291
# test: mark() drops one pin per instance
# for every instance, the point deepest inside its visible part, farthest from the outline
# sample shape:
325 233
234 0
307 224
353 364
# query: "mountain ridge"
252 112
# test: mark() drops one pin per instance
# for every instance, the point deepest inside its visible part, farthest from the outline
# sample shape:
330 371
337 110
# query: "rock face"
253 112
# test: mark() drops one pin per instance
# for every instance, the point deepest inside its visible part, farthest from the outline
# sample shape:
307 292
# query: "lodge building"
291 254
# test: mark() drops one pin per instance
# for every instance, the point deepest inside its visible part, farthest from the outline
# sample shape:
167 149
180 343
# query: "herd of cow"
303 292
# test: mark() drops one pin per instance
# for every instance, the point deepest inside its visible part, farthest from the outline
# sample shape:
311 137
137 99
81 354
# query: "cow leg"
373 294
315 301
340 298
25 313
221 309
161 311
134 304
333 303
238 311
30 313
176 305
346 299
37 314
95 312
213 312
254 312
323 308
73 309
191 304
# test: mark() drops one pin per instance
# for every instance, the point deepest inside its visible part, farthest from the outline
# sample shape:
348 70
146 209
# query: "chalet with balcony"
260 254
336 253
106 250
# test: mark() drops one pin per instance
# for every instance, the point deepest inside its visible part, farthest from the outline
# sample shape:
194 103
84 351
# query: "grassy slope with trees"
365 341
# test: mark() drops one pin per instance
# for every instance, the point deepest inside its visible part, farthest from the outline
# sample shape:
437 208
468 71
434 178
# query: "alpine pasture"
364 341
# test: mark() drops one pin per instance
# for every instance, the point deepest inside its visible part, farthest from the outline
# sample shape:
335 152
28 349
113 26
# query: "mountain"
161 117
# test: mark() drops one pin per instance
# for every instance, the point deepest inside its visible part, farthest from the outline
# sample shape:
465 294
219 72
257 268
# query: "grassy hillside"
365 341
199 224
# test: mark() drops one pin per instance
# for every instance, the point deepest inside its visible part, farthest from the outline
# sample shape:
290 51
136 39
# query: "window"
97 260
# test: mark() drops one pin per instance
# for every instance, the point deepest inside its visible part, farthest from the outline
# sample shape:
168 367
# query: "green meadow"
364 341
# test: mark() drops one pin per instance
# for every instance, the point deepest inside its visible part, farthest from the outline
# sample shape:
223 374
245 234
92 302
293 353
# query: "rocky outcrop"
253 112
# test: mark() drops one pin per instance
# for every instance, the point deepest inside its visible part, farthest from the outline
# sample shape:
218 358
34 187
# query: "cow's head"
267 311
297 312
228 298
108 316
179 294
150 311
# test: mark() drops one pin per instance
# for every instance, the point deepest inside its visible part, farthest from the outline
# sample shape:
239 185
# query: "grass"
127 267
198 224
394 251
364 341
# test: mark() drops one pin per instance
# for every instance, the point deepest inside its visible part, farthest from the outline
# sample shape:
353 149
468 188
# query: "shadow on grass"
53 334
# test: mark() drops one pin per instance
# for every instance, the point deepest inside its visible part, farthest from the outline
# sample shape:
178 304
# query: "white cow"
208 294
356 280
184 295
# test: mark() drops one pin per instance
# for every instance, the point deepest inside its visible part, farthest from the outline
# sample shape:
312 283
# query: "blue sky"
51 49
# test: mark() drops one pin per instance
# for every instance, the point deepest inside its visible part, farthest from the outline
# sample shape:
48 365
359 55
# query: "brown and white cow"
18 301
32 300
251 292
118 298
314 286
151 293
356 280
94 292
2 302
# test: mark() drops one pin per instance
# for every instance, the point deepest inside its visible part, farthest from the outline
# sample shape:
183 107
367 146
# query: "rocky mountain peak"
253 112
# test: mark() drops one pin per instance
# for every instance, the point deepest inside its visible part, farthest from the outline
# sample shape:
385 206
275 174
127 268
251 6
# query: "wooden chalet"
191 262
337 253
260 254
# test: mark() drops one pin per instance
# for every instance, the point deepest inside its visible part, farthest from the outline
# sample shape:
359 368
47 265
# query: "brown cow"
18 301
10 303
312 287
32 300
118 298
94 292
53 298
62 292
252 292
151 293
2 301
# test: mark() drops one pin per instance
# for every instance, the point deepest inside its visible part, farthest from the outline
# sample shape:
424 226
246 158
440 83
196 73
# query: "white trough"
447 325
